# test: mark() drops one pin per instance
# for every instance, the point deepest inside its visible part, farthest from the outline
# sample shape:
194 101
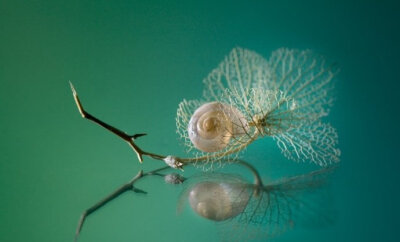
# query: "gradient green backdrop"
132 62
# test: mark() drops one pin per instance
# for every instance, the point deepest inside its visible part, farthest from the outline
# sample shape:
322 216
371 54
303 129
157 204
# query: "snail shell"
218 201
213 125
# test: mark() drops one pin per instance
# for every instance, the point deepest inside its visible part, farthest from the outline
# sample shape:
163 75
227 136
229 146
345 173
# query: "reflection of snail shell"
218 201
213 125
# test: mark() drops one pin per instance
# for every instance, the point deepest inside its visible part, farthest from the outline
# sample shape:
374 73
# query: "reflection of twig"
126 187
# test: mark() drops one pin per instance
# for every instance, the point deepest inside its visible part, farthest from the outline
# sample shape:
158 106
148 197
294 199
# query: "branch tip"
77 101
72 88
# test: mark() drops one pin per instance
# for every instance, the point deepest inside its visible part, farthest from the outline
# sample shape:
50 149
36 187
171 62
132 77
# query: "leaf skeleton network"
249 97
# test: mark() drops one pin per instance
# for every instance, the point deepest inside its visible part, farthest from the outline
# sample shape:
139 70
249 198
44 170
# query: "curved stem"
257 178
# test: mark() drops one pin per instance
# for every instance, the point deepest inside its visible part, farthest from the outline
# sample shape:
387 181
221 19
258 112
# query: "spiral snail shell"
218 201
213 125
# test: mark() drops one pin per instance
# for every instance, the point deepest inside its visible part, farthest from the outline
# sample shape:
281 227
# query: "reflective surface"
132 64
258 211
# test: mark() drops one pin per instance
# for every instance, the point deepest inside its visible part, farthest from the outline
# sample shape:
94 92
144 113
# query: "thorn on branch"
135 136
137 190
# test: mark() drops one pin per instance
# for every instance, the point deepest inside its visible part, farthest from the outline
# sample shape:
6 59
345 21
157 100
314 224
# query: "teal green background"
132 62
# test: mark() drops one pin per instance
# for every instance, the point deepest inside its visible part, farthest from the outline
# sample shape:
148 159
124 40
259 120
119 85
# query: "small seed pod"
214 124
218 201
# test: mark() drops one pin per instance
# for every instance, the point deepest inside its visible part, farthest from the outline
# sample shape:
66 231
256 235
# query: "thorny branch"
128 138
174 162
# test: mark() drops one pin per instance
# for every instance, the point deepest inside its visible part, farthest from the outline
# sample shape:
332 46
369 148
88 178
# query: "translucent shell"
214 124
218 201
